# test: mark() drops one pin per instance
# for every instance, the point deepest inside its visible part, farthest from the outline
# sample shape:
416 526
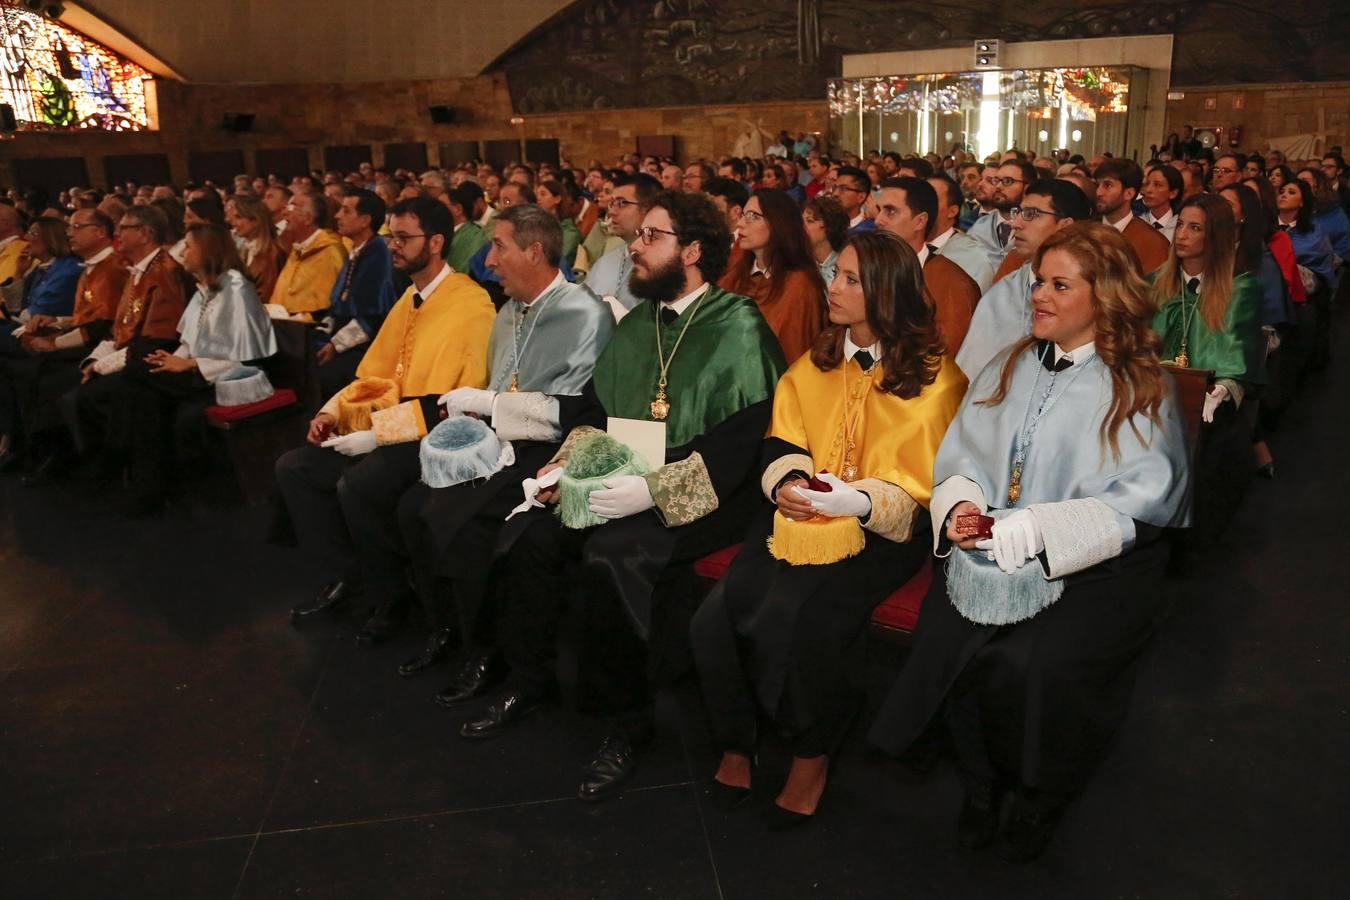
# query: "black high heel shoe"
728 797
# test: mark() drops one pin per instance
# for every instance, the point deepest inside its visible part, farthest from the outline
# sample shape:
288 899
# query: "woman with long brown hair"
778 271
161 399
261 254
1026 642
856 425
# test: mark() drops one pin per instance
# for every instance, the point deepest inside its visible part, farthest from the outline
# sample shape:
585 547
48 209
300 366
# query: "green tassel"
593 460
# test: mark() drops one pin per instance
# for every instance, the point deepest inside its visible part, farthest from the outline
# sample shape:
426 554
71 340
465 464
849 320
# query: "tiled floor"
164 732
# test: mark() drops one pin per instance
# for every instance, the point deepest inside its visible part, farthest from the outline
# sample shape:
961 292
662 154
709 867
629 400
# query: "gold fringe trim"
815 542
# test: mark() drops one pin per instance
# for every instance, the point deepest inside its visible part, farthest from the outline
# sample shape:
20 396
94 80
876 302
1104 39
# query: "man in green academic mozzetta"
468 238
719 363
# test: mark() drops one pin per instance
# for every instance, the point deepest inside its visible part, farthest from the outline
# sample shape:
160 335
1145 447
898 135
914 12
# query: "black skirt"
1052 690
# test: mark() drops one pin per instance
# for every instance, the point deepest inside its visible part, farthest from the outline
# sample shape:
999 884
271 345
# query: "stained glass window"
55 78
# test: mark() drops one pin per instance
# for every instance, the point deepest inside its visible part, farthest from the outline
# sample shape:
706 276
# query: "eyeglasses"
1227 170
398 240
648 234
619 203
1031 213
76 226
126 227
1005 180
750 215
836 188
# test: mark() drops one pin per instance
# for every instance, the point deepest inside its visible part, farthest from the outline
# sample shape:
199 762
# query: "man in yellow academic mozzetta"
11 242
434 340
306 282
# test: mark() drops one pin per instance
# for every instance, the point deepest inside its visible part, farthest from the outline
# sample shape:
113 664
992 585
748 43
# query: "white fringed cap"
242 386
462 449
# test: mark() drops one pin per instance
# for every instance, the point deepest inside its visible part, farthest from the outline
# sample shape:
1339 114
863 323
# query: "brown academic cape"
955 295
151 309
97 296
1149 244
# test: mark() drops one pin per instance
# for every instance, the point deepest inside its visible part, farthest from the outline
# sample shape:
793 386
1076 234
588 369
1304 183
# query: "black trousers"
311 479
369 494
154 414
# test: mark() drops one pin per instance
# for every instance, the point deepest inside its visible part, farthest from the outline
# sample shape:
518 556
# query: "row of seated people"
859 429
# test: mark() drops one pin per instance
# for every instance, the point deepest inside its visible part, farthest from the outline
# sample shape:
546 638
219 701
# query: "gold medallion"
515 383
1015 485
660 407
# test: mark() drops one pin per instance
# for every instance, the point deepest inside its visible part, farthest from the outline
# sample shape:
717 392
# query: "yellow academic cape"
306 281
9 258
426 351
897 440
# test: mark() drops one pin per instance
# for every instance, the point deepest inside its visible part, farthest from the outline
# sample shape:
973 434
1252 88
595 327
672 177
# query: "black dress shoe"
384 623
438 647
480 673
778 818
1028 830
727 797
614 763
977 825
499 716
1267 471
328 600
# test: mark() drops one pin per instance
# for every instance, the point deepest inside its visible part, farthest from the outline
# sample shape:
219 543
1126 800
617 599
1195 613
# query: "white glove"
357 443
842 500
1216 395
1017 538
532 487
626 495
468 400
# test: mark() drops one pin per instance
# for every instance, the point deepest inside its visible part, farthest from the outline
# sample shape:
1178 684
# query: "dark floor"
164 732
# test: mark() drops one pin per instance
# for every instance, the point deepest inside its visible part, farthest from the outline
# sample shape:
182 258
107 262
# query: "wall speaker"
986 53
442 115
237 122
8 123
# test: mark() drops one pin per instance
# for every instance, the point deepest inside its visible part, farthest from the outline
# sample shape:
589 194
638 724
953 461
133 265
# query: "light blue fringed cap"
462 449
241 386
595 458
985 595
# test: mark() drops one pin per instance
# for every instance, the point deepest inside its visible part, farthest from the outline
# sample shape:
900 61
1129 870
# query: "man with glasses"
905 207
699 365
305 283
696 176
433 341
852 188
1119 181
1004 312
1227 169
631 198
1006 186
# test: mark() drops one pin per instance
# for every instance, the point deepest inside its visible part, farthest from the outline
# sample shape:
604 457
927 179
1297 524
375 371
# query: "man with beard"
947 241
977 190
1118 183
433 340
700 364
994 230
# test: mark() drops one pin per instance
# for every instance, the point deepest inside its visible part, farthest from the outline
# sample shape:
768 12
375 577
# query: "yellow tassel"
361 398
815 542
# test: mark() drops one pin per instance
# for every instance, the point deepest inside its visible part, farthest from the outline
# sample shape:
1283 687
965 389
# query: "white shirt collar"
941 240
435 282
557 281
923 255
851 348
757 269
139 268
356 249
1164 220
1078 355
688 299
459 226
1124 221
98 257
304 245
1186 279
857 220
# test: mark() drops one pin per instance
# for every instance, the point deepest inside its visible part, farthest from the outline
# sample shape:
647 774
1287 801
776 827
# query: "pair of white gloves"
843 499
461 400
1216 396
1016 540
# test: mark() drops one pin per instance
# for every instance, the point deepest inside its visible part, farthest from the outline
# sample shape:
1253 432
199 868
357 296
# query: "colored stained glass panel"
57 79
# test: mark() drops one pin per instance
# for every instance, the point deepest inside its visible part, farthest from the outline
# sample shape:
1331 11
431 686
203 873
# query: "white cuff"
1078 534
72 338
951 491
349 336
111 363
525 416
212 369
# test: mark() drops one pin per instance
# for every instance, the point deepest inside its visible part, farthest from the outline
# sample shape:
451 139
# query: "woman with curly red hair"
1026 643
856 425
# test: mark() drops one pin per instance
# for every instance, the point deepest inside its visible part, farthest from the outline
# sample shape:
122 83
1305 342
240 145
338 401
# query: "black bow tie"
1284 227
1158 225
864 360
1047 353
417 300
668 315
932 250
1193 285
1003 231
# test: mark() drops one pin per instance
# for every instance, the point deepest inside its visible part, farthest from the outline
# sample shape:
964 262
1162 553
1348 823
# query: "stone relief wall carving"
623 53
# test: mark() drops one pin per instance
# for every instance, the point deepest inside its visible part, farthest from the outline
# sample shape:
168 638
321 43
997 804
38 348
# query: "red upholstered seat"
224 416
899 611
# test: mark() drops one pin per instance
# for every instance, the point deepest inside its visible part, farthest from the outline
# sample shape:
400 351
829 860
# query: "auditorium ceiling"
287 41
